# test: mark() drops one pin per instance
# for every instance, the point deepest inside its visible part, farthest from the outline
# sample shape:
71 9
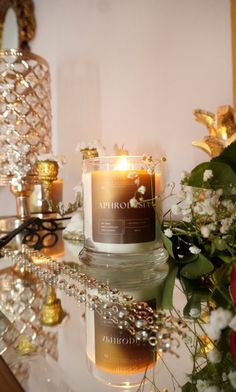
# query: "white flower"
202 385
212 331
220 317
205 231
142 189
150 170
214 356
212 388
206 207
186 211
224 376
232 378
187 218
232 323
194 250
228 204
194 312
133 202
207 175
184 175
168 232
219 192
225 225
175 209
181 195
75 225
189 195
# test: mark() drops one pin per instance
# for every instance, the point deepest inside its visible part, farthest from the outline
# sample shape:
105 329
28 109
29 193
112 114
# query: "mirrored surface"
90 322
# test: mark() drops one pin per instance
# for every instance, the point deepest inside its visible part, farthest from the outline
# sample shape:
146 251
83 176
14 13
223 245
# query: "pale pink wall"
132 71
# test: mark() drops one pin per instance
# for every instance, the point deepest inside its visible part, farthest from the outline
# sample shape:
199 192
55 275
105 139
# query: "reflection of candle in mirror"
114 355
119 212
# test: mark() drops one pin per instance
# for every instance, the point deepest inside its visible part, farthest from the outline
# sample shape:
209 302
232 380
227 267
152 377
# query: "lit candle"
119 212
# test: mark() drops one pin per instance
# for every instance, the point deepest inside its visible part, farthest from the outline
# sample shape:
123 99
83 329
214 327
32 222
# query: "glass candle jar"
119 201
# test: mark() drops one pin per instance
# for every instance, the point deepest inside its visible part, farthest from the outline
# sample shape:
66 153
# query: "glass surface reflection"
117 348
103 340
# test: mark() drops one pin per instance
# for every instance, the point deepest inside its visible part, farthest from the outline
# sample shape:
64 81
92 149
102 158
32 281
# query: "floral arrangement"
199 232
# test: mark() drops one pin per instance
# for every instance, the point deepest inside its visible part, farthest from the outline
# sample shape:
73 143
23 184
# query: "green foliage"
228 156
201 266
202 248
167 298
168 245
223 176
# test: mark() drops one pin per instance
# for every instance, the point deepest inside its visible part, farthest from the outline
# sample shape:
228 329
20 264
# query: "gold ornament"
25 346
52 313
221 128
47 173
88 153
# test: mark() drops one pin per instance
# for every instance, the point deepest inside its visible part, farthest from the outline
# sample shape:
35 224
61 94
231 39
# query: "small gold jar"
47 173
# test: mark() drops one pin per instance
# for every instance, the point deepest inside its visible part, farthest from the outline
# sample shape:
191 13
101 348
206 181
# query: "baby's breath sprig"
150 166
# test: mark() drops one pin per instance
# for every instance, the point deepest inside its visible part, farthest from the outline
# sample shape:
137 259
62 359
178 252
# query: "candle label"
117 351
114 218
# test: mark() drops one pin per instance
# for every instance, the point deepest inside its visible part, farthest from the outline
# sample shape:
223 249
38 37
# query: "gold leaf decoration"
221 129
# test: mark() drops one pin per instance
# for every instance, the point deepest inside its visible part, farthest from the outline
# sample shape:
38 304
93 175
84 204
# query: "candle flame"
122 164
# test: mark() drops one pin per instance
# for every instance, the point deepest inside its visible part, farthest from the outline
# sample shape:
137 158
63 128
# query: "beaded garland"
159 329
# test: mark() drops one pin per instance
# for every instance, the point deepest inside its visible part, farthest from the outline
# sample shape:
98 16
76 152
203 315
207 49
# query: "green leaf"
188 258
195 286
220 244
223 176
221 275
188 387
228 156
194 302
167 298
198 268
195 293
168 245
226 259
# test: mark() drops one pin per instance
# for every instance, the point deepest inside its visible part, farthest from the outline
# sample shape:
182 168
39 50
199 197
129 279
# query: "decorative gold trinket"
47 173
88 153
221 128
52 310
